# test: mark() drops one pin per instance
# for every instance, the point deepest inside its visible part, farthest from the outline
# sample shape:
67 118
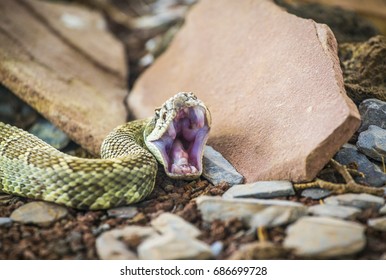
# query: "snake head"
177 134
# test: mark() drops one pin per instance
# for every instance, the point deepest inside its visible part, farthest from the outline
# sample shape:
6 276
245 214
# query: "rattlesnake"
126 172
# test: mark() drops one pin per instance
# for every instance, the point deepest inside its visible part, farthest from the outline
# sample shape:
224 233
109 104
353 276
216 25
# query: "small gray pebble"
337 211
382 210
216 248
362 200
261 189
5 222
168 188
125 212
372 142
373 112
217 169
315 193
378 223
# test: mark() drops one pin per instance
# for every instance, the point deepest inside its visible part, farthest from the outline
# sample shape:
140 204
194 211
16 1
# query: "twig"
349 187
261 234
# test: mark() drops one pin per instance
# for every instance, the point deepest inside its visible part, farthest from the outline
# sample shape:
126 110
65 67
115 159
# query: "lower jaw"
188 177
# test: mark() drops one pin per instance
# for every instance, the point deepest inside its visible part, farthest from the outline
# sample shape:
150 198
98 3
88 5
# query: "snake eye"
156 111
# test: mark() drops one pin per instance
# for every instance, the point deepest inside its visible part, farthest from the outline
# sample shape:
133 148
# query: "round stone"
39 213
324 237
126 212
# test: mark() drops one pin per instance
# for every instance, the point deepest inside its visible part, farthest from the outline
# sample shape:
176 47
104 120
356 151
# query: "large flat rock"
47 59
271 80
84 30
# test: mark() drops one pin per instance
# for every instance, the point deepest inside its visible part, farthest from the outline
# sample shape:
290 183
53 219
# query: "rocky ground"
218 217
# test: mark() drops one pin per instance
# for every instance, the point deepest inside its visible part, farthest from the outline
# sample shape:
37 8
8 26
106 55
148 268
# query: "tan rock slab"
173 246
85 30
217 208
271 80
324 237
41 64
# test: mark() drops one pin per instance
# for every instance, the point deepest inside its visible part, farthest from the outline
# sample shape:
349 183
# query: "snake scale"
126 171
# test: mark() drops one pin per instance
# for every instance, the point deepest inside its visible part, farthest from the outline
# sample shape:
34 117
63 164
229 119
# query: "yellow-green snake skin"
125 174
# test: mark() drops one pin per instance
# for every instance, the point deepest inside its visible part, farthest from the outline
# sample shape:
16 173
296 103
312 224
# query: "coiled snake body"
125 174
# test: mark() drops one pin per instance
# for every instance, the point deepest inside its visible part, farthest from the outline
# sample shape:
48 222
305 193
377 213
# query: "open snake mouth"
181 146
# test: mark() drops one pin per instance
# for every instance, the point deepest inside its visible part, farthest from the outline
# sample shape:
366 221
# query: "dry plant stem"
349 187
261 234
355 172
350 170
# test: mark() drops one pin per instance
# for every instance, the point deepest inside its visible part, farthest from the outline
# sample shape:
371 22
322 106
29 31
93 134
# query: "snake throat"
181 145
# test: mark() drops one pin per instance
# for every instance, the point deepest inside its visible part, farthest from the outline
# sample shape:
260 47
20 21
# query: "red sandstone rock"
271 80
55 68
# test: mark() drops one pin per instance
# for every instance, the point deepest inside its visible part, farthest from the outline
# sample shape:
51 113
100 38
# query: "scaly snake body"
125 174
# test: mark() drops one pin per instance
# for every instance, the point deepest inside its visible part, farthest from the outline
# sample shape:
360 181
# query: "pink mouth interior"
181 145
